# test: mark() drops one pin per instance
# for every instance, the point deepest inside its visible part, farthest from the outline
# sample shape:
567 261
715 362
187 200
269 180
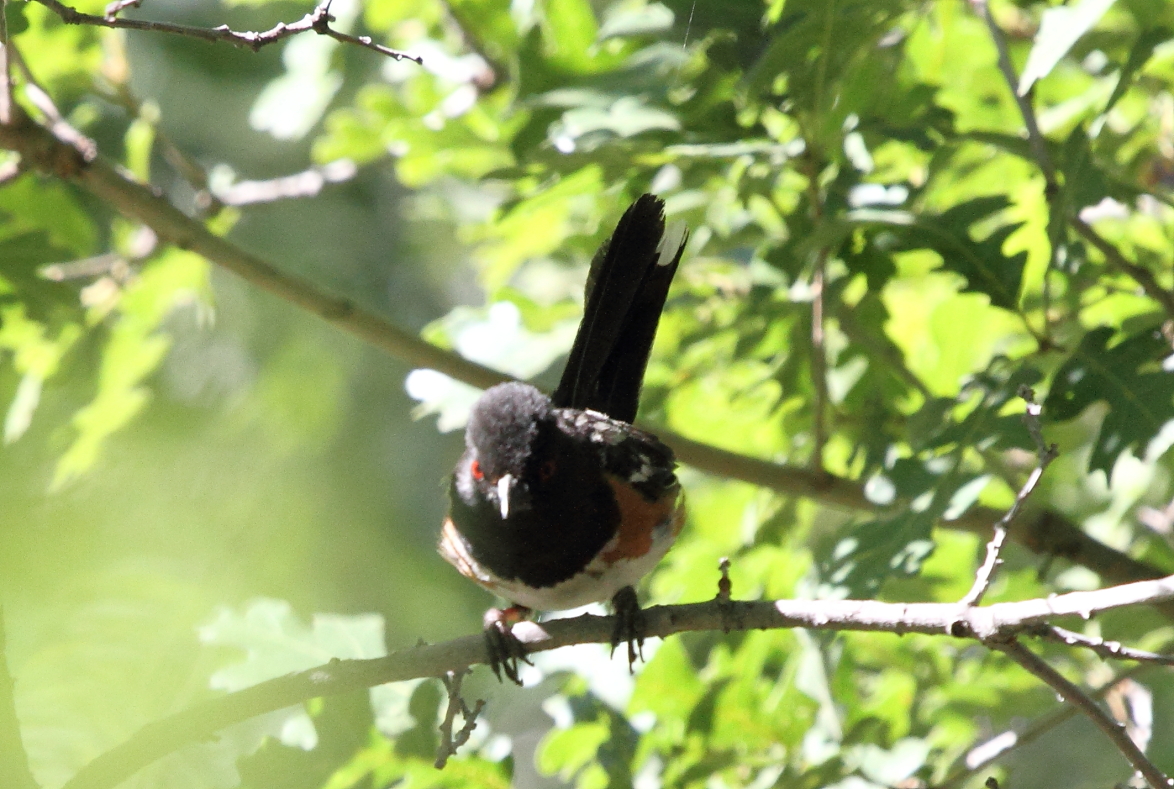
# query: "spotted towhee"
559 501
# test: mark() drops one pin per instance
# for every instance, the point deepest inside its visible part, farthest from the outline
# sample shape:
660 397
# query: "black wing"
626 291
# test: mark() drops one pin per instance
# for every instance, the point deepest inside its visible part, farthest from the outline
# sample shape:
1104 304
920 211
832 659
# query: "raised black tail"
626 290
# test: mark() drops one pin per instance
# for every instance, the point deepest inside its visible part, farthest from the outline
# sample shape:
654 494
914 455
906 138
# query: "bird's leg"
505 650
629 625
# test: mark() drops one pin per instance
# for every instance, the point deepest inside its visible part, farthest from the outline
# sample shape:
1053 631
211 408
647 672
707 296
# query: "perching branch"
317 20
1078 698
994 625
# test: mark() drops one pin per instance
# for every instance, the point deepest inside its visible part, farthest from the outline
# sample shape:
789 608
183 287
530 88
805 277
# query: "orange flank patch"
640 519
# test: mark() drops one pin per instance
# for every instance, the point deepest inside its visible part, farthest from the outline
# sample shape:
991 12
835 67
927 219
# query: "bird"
559 501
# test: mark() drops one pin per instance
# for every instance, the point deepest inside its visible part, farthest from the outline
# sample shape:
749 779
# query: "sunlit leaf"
1133 375
1059 29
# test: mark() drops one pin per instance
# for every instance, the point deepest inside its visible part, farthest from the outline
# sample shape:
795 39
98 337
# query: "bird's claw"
504 648
630 625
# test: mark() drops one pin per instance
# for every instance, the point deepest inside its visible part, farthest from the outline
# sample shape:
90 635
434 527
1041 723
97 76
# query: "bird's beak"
503 494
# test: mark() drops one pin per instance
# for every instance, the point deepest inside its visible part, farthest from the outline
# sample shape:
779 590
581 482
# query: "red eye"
475 470
547 470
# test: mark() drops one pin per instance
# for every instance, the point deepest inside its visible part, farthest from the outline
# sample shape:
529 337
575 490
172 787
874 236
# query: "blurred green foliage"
178 445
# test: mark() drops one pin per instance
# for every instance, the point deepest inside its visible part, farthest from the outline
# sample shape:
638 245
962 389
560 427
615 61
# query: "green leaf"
31 204
564 752
1133 376
14 17
133 350
276 642
627 117
892 766
139 141
626 19
668 685
291 104
571 31
1059 29
984 265
1139 54
871 552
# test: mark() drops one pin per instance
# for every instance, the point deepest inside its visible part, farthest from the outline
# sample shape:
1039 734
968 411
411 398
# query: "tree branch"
116 8
317 20
1035 138
989 624
1109 650
1078 698
819 372
450 742
40 98
14 762
5 68
982 755
304 184
1046 454
1141 275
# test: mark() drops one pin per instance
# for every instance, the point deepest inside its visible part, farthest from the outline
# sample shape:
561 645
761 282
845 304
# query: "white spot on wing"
675 235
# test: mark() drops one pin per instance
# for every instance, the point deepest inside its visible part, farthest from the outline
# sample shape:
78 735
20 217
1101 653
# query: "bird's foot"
630 625
504 648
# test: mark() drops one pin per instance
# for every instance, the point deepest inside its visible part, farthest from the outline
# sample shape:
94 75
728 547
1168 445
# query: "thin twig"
449 742
40 98
1110 650
992 625
116 8
1039 149
5 69
883 348
1028 735
819 373
1035 137
725 591
317 21
108 263
1141 275
1078 698
14 762
304 184
819 400
119 92
1046 454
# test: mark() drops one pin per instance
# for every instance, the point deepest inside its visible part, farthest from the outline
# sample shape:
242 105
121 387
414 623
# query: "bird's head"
502 439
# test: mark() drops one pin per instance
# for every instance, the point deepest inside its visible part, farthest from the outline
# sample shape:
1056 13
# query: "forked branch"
317 21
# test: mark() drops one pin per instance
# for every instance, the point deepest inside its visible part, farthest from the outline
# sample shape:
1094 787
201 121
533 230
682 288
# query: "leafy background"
203 486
